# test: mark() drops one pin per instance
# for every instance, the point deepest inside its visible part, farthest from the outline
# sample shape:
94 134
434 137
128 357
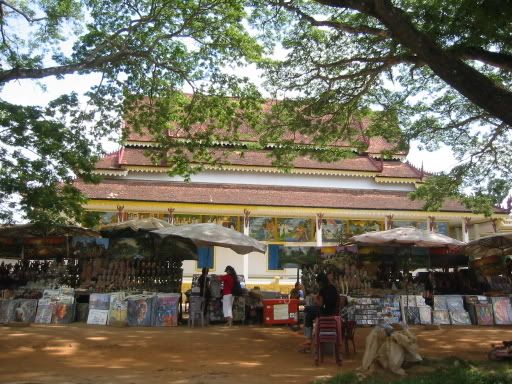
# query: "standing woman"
228 281
428 294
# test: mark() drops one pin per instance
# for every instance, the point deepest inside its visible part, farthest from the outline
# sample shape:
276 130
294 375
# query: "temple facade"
307 206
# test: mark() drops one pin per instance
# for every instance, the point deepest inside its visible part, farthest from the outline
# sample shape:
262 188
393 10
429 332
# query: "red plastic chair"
328 330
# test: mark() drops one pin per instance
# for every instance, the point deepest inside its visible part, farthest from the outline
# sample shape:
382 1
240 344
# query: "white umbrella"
206 235
499 244
407 236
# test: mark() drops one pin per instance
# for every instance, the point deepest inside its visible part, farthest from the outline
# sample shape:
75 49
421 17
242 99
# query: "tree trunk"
478 88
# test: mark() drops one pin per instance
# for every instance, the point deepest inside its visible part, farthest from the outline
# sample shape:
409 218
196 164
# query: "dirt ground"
85 354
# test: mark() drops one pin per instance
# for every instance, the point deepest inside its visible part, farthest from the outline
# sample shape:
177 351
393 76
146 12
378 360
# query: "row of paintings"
267 228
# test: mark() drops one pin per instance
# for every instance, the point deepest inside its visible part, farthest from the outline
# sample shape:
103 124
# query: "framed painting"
332 229
294 229
262 228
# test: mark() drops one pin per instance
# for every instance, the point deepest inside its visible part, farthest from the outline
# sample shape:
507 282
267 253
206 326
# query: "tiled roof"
247 134
199 193
388 168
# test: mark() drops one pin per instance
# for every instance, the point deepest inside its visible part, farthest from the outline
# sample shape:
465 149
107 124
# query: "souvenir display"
63 313
454 303
440 317
420 301
368 310
391 309
99 306
502 310
408 301
22 310
440 303
239 308
484 314
413 315
82 312
44 311
215 310
425 315
118 310
459 317
4 311
166 313
140 310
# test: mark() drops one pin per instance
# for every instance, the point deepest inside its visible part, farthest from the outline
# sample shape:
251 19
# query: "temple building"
307 206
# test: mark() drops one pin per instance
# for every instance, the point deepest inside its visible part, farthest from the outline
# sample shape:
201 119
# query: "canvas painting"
262 228
454 303
140 310
295 229
425 315
23 310
408 301
440 303
420 301
99 301
4 311
82 311
44 311
413 315
166 313
63 313
502 310
52 294
215 310
484 314
440 317
118 310
97 316
239 309
459 318
331 229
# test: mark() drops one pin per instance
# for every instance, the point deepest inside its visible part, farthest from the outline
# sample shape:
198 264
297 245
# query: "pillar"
465 229
247 214
319 223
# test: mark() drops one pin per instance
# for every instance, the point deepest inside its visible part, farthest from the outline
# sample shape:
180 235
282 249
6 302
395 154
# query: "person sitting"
254 306
326 304
297 292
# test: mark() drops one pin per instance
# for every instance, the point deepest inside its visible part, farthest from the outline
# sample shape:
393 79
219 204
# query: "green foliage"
344 57
451 372
146 52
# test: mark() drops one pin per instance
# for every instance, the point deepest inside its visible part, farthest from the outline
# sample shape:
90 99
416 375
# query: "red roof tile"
199 193
388 168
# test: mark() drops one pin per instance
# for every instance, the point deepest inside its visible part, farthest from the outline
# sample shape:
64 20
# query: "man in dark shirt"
326 305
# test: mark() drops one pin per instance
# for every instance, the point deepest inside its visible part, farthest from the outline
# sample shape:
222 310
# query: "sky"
29 92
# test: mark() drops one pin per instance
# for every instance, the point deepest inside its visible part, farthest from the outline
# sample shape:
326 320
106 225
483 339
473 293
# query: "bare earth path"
82 354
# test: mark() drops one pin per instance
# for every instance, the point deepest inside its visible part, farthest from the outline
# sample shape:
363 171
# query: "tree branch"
20 12
475 86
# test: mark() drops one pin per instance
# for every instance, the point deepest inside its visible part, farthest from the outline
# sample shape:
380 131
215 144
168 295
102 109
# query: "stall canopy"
40 230
140 230
499 244
406 236
131 227
207 235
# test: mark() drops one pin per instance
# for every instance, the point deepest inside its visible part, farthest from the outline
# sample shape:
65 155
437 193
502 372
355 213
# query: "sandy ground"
84 354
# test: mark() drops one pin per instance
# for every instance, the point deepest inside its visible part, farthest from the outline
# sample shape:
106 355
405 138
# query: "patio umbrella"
406 236
23 232
499 244
130 227
41 230
138 228
206 235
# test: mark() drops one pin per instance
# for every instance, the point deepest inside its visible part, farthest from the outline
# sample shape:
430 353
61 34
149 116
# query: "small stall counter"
280 311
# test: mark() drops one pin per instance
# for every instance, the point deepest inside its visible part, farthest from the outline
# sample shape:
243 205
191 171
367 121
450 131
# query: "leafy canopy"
145 51
440 70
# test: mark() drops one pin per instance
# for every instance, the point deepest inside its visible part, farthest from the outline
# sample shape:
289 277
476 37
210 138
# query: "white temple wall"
279 179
